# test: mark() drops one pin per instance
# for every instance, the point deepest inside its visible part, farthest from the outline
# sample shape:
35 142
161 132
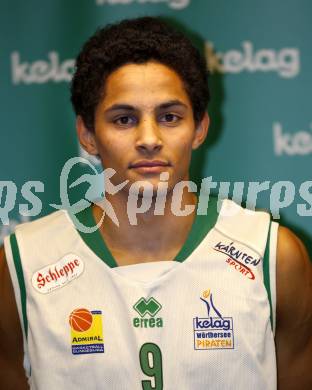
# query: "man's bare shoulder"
7 295
11 339
294 312
294 271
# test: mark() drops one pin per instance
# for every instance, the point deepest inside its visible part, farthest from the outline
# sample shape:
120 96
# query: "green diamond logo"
144 307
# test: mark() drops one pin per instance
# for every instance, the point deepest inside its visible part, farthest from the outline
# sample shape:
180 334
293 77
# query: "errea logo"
147 308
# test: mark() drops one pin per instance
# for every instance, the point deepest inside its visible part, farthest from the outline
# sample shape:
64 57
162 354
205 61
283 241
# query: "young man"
176 301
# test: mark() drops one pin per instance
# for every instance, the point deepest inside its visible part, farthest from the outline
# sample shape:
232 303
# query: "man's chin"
148 188
149 185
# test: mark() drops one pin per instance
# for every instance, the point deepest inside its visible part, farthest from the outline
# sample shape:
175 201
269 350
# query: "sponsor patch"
212 332
57 275
147 310
86 331
238 259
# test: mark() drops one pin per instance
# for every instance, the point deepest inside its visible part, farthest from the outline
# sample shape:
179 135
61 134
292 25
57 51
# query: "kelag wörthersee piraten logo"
213 331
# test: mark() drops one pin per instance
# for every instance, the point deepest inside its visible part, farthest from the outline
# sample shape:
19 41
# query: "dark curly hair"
136 41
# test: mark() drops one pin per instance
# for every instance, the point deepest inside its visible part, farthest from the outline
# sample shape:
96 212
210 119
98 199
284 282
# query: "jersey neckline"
201 226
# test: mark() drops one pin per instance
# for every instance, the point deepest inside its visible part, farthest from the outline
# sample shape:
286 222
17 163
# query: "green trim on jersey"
95 240
20 278
201 226
266 274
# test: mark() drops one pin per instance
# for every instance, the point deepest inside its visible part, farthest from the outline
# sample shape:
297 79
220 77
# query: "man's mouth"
149 163
149 166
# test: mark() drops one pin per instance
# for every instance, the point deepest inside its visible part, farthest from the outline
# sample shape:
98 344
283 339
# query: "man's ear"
86 137
201 131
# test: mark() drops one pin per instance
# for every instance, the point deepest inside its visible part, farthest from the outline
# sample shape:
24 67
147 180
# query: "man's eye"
125 120
170 118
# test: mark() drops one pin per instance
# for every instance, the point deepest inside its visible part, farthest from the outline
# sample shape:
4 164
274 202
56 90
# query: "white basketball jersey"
203 321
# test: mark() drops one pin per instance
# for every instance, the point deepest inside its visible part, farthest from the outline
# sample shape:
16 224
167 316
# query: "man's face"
144 125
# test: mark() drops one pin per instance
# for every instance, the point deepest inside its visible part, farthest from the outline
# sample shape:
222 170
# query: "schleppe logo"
57 275
285 62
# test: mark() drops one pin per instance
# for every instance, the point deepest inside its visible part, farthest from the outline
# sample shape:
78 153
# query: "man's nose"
148 136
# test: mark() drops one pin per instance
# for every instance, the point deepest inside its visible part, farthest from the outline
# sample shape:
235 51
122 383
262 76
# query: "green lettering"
136 322
159 322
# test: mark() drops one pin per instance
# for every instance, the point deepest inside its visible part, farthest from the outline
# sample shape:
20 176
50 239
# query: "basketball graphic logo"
86 331
80 320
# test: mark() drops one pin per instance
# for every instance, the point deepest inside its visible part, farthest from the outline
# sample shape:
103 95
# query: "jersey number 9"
151 365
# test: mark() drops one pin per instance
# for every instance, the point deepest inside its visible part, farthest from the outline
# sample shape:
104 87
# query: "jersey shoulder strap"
255 230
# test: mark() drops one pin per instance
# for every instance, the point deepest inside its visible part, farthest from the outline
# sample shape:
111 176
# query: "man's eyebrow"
116 107
162 106
171 103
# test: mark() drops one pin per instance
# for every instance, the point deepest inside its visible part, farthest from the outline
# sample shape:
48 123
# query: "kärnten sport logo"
238 258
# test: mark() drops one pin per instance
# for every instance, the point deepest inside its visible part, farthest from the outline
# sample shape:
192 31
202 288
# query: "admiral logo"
57 275
212 332
150 308
238 259
86 331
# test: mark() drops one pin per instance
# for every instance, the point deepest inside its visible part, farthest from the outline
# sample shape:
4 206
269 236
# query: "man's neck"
152 237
